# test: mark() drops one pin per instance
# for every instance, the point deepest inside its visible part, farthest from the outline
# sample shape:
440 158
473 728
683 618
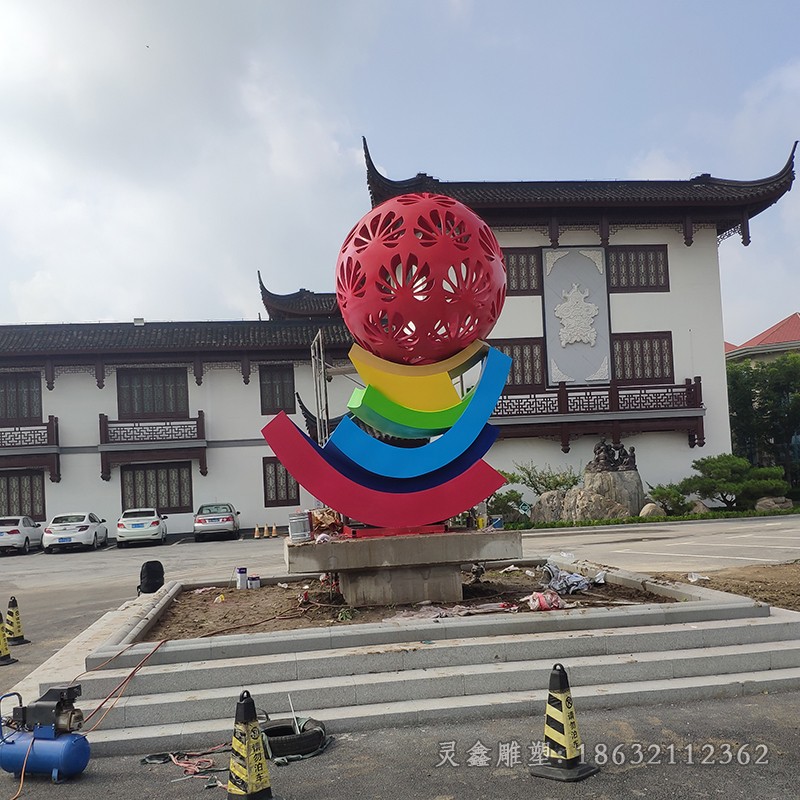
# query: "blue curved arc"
401 462
474 453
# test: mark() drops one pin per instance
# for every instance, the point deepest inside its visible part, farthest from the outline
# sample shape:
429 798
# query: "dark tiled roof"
301 304
121 338
702 191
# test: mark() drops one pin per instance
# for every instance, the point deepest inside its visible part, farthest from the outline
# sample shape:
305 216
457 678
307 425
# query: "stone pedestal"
394 570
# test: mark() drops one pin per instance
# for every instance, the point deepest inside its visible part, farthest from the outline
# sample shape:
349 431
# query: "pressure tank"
62 757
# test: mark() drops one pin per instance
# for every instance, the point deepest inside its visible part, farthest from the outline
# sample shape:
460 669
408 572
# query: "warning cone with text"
5 655
248 774
13 626
561 738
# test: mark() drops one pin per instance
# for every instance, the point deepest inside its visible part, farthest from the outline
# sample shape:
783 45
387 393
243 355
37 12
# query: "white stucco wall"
233 432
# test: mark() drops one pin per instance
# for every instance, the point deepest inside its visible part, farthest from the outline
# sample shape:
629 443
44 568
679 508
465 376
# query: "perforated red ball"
419 278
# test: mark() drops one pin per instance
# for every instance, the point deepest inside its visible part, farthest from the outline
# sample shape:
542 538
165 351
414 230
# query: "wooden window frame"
536 289
38 515
531 341
639 288
169 508
266 378
126 409
13 381
279 501
643 337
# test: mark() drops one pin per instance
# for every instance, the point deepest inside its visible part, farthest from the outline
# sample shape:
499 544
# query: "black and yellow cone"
14 635
248 774
562 742
5 655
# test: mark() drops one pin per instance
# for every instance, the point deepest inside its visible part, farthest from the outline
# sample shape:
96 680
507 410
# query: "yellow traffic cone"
248 773
5 655
14 633
256 533
562 742
274 532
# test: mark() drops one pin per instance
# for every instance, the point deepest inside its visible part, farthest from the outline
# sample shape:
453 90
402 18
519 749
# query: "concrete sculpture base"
396 570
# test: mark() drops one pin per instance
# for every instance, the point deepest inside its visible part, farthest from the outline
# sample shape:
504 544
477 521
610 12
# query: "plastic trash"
693 577
547 600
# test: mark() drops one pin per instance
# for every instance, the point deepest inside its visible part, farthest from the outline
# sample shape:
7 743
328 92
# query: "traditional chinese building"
613 319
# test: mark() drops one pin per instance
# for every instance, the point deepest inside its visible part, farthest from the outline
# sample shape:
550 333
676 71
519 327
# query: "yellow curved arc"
424 387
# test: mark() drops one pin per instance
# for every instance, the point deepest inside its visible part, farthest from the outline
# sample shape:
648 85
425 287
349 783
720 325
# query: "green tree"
745 428
733 481
542 479
507 505
778 407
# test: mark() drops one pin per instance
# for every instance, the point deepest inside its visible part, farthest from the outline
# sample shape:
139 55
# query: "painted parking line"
754 546
181 540
693 555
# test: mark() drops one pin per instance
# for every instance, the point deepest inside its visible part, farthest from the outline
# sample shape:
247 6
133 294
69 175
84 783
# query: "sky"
155 154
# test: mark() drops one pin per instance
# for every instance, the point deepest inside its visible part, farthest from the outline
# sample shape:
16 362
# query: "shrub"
670 497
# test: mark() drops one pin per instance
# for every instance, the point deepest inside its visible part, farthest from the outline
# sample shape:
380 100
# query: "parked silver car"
141 525
216 518
19 534
77 529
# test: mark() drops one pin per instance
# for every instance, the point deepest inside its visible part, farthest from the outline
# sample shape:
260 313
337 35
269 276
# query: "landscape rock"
699 507
583 504
652 510
624 487
773 503
548 507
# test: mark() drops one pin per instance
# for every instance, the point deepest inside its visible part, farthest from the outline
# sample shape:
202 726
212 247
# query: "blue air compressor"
40 738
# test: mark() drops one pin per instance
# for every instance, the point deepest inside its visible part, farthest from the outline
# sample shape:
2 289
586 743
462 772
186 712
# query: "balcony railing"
602 400
44 435
123 442
152 431
570 411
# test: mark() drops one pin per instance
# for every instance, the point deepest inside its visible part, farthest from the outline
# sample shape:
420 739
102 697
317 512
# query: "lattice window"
527 364
637 268
523 270
643 358
280 488
20 398
22 493
152 393
277 388
167 487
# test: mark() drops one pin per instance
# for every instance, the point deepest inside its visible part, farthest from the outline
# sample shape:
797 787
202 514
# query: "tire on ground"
283 741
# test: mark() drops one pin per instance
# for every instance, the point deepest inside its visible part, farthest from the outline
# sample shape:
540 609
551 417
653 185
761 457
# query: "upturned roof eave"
762 192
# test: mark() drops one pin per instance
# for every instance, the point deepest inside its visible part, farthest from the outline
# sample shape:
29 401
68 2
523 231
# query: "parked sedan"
216 518
19 534
78 529
141 525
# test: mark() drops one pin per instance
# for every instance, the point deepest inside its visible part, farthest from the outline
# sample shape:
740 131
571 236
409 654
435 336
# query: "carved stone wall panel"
576 315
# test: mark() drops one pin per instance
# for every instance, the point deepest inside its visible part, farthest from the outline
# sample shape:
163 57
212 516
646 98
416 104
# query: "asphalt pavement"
743 749
749 745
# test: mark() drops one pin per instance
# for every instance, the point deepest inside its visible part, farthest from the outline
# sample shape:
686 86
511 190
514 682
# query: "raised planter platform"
395 570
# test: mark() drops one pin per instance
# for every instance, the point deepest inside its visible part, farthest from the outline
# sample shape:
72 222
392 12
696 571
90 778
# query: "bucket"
241 577
496 522
253 582
299 527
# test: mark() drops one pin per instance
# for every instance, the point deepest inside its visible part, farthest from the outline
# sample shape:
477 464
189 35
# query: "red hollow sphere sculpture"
419 278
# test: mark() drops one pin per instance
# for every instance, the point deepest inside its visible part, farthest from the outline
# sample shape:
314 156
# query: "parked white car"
141 525
19 534
76 529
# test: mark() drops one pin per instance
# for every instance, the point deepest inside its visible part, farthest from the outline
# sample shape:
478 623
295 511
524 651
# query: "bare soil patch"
273 608
776 584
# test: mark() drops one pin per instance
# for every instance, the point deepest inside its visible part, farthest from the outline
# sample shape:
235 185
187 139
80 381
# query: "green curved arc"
374 408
